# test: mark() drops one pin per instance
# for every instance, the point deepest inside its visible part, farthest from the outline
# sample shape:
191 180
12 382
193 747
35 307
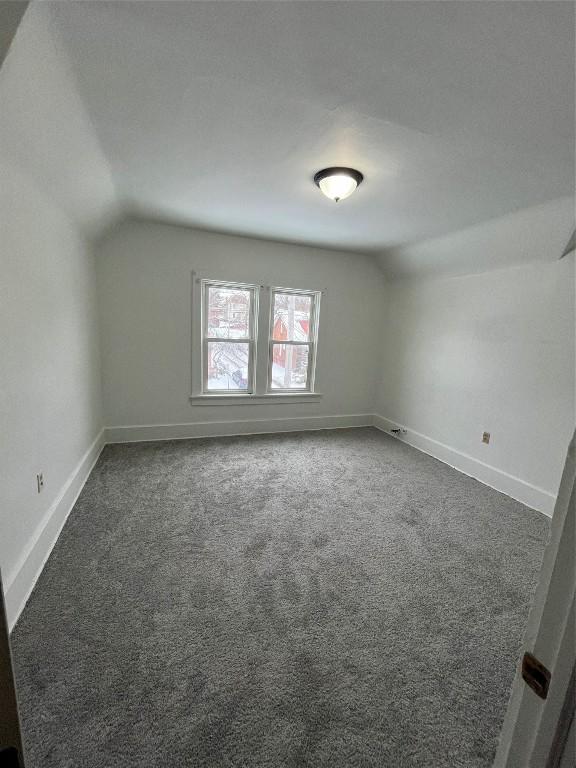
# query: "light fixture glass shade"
338 183
338 187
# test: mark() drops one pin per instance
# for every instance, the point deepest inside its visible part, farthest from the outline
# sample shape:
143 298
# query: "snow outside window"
292 343
229 333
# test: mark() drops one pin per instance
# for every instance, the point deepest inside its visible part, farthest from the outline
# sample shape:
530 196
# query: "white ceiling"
218 114
47 141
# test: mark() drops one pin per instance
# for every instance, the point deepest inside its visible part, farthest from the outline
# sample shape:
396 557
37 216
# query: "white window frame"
251 340
311 343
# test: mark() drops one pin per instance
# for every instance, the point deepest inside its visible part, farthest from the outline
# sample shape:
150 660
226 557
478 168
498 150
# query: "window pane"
291 317
227 365
289 366
228 313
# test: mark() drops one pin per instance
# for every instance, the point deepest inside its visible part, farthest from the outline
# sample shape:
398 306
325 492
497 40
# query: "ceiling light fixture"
338 183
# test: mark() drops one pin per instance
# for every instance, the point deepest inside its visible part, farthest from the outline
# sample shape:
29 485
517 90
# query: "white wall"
462 355
50 381
53 186
144 276
494 351
490 352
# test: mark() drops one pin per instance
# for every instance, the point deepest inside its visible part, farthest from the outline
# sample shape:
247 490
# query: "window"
253 343
228 337
292 342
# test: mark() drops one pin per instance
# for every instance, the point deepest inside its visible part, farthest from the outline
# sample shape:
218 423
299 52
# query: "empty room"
287 384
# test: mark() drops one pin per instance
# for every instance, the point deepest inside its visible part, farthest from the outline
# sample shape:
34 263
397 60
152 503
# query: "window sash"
309 371
311 343
250 340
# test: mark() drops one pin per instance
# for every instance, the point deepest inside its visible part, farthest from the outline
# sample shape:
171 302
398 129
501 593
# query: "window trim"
251 340
312 343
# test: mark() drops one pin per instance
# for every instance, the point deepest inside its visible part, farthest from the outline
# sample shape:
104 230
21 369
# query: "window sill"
266 399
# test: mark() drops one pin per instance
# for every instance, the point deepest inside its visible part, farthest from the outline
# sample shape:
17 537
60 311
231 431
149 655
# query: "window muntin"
292 342
229 337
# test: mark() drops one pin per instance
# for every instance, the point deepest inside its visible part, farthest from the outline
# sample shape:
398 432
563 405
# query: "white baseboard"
136 434
534 497
20 583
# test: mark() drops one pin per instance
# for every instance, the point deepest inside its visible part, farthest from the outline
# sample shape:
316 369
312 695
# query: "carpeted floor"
327 599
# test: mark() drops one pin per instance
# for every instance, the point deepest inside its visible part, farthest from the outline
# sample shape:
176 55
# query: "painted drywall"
540 233
50 393
45 129
10 17
50 398
491 352
145 281
516 341
220 113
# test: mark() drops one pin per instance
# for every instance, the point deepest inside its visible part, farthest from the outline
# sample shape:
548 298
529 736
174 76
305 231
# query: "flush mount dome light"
338 183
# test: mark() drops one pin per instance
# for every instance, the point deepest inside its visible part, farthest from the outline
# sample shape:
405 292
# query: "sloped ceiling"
10 17
217 114
45 132
538 233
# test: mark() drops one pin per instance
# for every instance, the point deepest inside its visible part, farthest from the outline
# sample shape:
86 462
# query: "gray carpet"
332 599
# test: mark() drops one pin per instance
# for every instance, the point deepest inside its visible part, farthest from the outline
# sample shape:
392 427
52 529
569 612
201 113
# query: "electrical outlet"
486 437
40 481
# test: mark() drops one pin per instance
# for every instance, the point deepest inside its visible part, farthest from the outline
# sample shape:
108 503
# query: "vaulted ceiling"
218 114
